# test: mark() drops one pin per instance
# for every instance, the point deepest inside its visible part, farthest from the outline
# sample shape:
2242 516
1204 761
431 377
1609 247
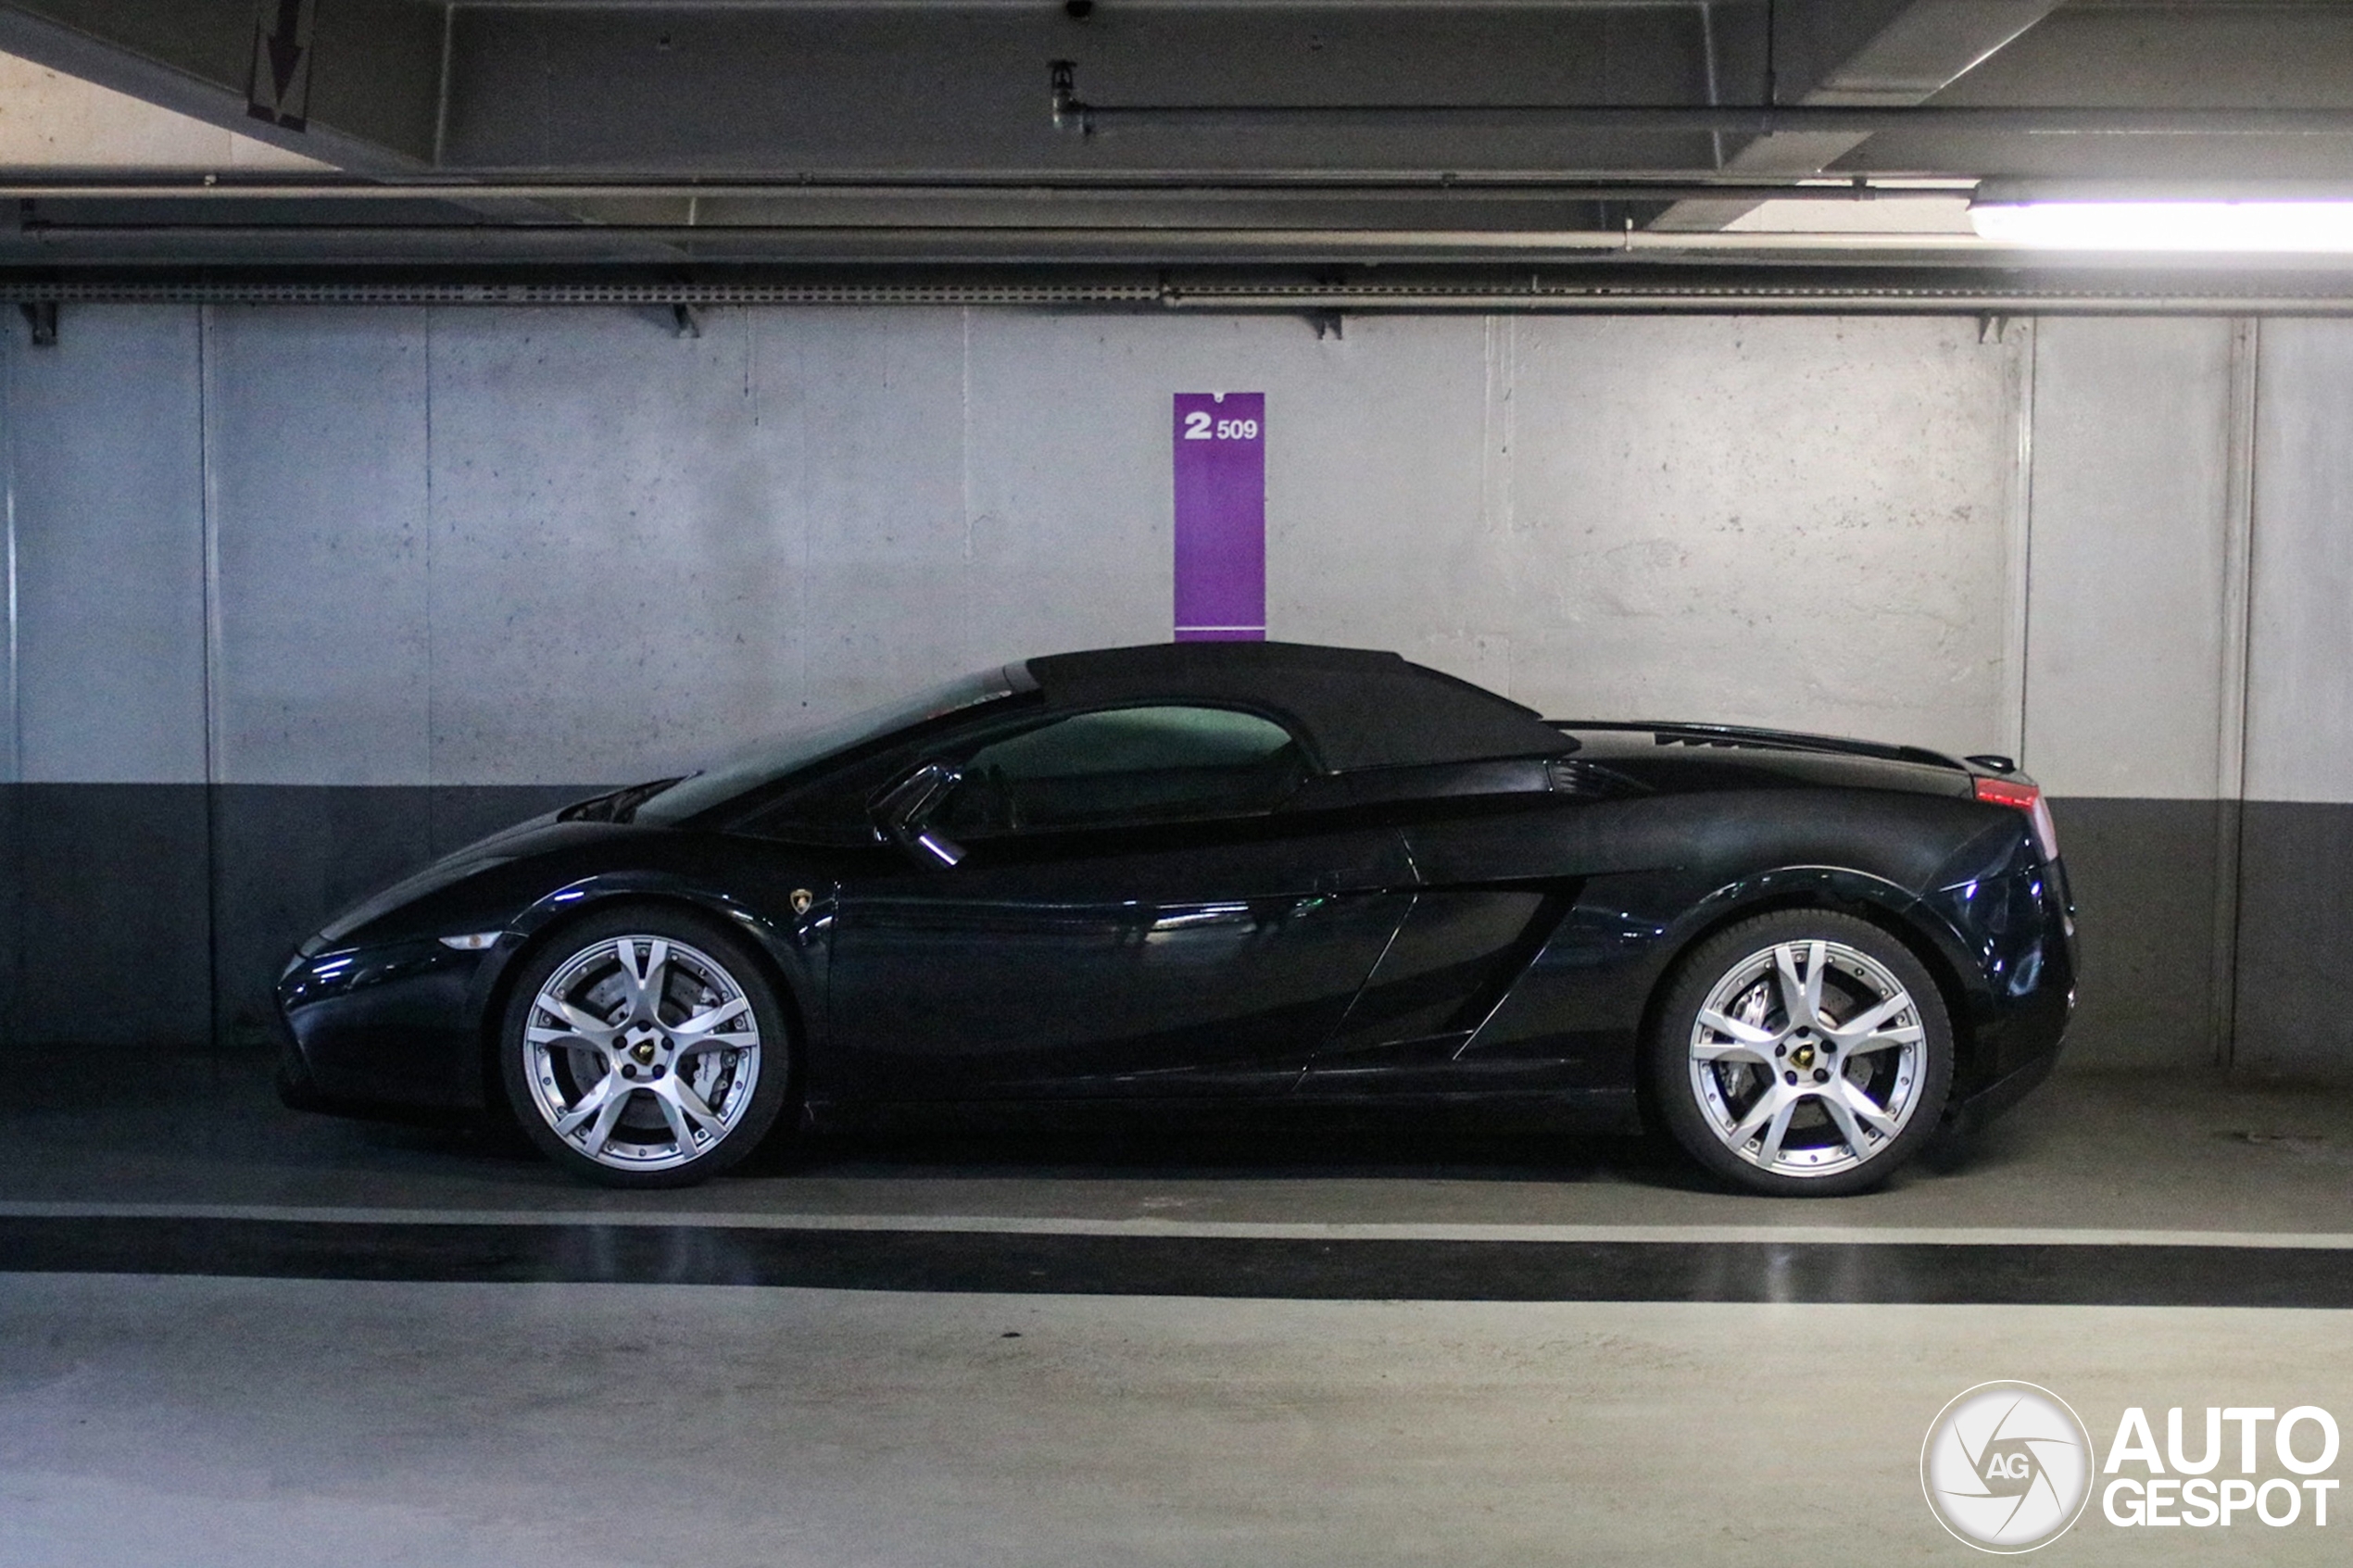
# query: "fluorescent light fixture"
2320 226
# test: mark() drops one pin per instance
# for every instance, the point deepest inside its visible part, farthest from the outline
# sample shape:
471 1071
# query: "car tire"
658 1069
1801 1053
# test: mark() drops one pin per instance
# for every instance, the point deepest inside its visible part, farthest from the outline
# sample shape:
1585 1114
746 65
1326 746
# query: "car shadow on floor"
1261 1143
1097 1143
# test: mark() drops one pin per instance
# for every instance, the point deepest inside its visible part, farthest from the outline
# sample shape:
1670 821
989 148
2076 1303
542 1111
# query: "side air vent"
1566 775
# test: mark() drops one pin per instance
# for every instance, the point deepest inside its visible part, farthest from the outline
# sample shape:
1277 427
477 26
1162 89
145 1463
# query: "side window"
830 810
1129 764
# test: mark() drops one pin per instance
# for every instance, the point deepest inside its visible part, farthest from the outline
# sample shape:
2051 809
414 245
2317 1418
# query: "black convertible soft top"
1355 708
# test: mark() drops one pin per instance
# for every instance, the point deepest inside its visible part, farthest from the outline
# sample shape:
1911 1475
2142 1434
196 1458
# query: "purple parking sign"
1220 469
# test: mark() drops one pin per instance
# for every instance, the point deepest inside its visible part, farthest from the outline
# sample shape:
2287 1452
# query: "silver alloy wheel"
641 1052
1808 1058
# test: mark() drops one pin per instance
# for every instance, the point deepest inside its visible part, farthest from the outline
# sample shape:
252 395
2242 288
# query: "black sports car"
1226 869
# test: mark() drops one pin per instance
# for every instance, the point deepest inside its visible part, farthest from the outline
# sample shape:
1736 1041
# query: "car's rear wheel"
644 1047
1801 1053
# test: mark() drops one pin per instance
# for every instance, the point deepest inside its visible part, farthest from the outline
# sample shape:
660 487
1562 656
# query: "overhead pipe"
597 245
209 188
1123 237
1071 113
1529 293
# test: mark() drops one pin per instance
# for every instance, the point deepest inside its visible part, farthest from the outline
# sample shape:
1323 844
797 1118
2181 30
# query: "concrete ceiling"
49 121
643 132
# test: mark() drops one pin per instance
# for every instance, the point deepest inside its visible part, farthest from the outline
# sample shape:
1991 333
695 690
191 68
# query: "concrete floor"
2140 1154
197 1420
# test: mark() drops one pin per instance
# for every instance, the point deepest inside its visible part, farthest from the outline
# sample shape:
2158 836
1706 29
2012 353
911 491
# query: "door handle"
1192 917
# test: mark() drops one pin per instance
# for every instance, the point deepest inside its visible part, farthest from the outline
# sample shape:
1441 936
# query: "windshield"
772 759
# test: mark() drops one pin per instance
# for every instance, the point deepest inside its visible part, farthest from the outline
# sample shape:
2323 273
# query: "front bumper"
391 1030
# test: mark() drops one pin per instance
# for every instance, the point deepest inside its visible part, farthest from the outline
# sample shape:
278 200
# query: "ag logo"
2006 1467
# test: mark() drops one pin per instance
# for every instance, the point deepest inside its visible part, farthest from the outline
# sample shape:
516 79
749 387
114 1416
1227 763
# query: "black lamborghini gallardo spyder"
1235 870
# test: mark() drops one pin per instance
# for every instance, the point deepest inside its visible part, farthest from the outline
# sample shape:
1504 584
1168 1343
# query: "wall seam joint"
2017 572
12 956
2237 607
209 676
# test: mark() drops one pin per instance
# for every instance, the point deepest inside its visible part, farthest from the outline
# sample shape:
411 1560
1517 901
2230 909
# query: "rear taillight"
2028 799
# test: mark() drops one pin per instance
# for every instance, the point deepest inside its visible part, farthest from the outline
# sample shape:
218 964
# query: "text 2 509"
1199 426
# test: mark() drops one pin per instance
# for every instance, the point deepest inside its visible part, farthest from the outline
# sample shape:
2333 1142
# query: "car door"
1128 916
1499 863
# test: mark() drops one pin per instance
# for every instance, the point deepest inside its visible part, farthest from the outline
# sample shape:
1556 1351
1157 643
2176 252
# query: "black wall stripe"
113 879
2068 1274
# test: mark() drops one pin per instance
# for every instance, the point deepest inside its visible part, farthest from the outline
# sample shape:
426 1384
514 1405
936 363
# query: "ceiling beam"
355 83
954 90
1887 53
2217 53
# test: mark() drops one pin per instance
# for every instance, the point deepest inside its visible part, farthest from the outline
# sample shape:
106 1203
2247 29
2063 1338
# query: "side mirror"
903 812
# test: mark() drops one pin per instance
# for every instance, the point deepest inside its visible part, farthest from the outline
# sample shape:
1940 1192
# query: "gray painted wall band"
501 546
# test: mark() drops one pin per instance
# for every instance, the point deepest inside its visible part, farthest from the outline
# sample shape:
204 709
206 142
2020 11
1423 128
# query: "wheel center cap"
1802 1057
644 1047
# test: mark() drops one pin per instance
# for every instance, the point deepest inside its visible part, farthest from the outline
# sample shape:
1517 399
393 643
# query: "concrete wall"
317 593
2187 689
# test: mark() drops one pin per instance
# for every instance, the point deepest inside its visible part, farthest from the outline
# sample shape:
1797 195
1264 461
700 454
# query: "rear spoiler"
1672 734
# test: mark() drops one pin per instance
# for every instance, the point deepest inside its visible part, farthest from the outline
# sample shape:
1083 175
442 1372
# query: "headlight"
433 879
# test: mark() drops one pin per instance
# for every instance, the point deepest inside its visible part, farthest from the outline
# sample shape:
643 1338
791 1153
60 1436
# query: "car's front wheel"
1801 1053
644 1047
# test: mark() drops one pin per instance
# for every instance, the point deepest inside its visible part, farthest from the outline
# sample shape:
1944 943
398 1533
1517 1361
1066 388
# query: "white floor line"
1861 1235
